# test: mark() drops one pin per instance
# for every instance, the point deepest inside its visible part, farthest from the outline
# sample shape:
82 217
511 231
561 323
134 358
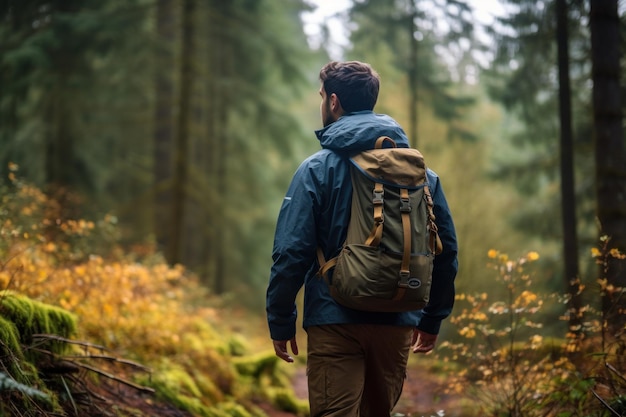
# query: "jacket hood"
358 131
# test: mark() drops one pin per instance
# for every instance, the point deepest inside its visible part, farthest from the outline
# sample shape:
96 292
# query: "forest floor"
423 396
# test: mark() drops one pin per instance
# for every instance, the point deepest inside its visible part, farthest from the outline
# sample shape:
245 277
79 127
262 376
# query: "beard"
327 114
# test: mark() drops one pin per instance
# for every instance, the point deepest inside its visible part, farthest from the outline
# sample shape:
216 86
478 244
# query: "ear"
335 105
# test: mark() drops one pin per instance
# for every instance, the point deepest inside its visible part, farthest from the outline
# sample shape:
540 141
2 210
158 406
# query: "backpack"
386 262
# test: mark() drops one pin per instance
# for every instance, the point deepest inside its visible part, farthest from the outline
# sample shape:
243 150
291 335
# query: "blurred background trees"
173 116
185 119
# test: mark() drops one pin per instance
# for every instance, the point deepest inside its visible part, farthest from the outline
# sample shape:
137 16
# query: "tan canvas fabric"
402 166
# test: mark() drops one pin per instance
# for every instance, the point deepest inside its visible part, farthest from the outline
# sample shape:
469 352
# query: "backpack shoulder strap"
381 140
436 247
324 265
378 201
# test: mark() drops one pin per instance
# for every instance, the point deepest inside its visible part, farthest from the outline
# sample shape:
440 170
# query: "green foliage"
96 64
264 373
246 88
401 35
522 78
256 365
284 399
174 384
22 318
10 346
78 102
22 387
33 317
50 68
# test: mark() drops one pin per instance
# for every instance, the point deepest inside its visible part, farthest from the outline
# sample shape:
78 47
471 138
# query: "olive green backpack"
386 262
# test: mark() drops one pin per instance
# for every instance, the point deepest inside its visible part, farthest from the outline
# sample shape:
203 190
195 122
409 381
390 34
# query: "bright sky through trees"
329 12
326 12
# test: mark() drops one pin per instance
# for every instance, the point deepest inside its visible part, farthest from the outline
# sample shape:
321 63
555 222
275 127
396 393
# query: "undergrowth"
85 324
71 297
504 363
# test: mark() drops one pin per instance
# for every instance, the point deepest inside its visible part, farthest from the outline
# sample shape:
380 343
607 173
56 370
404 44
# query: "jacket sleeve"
293 253
446 264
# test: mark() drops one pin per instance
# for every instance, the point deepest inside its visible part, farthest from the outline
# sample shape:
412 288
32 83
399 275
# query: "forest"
146 147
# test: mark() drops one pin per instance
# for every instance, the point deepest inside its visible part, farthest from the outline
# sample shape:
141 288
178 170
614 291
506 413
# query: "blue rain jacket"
315 213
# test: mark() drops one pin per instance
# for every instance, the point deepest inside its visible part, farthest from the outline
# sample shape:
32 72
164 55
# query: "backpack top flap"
398 167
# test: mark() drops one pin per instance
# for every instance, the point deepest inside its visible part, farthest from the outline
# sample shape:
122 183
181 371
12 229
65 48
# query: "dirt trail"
422 396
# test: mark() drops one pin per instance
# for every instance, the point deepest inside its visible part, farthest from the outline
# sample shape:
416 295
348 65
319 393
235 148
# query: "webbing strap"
399 293
376 234
377 229
405 211
324 266
434 242
383 139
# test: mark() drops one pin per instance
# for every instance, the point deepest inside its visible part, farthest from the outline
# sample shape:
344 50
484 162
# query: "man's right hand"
280 347
423 342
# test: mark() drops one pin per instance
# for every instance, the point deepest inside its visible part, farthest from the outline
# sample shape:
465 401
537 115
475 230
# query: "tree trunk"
568 198
164 129
412 69
609 152
221 148
59 149
210 240
182 138
59 139
62 170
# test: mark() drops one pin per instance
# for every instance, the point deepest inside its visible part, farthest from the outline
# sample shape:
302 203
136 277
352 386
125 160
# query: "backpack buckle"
378 197
405 205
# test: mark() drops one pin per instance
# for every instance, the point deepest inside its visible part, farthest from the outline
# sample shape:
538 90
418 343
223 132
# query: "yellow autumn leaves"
503 257
145 310
122 305
520 300
503 356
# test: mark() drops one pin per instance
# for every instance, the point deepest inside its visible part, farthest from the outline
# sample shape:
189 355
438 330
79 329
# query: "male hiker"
356 360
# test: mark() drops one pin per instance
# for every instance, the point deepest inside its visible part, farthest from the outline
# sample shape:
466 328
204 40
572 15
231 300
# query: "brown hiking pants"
356 370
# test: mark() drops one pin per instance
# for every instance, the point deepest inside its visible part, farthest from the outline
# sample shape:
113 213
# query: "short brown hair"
355 83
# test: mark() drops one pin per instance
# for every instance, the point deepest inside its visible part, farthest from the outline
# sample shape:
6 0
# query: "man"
356 362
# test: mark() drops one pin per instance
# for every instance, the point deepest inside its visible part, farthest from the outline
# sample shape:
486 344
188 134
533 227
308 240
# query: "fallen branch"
76 361
614 370
111 359
117 379
605 404
69 341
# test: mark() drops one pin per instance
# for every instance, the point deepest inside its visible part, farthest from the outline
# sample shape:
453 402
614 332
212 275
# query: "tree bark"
221 148
568 197
412 69
182 137
610 155
164 129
